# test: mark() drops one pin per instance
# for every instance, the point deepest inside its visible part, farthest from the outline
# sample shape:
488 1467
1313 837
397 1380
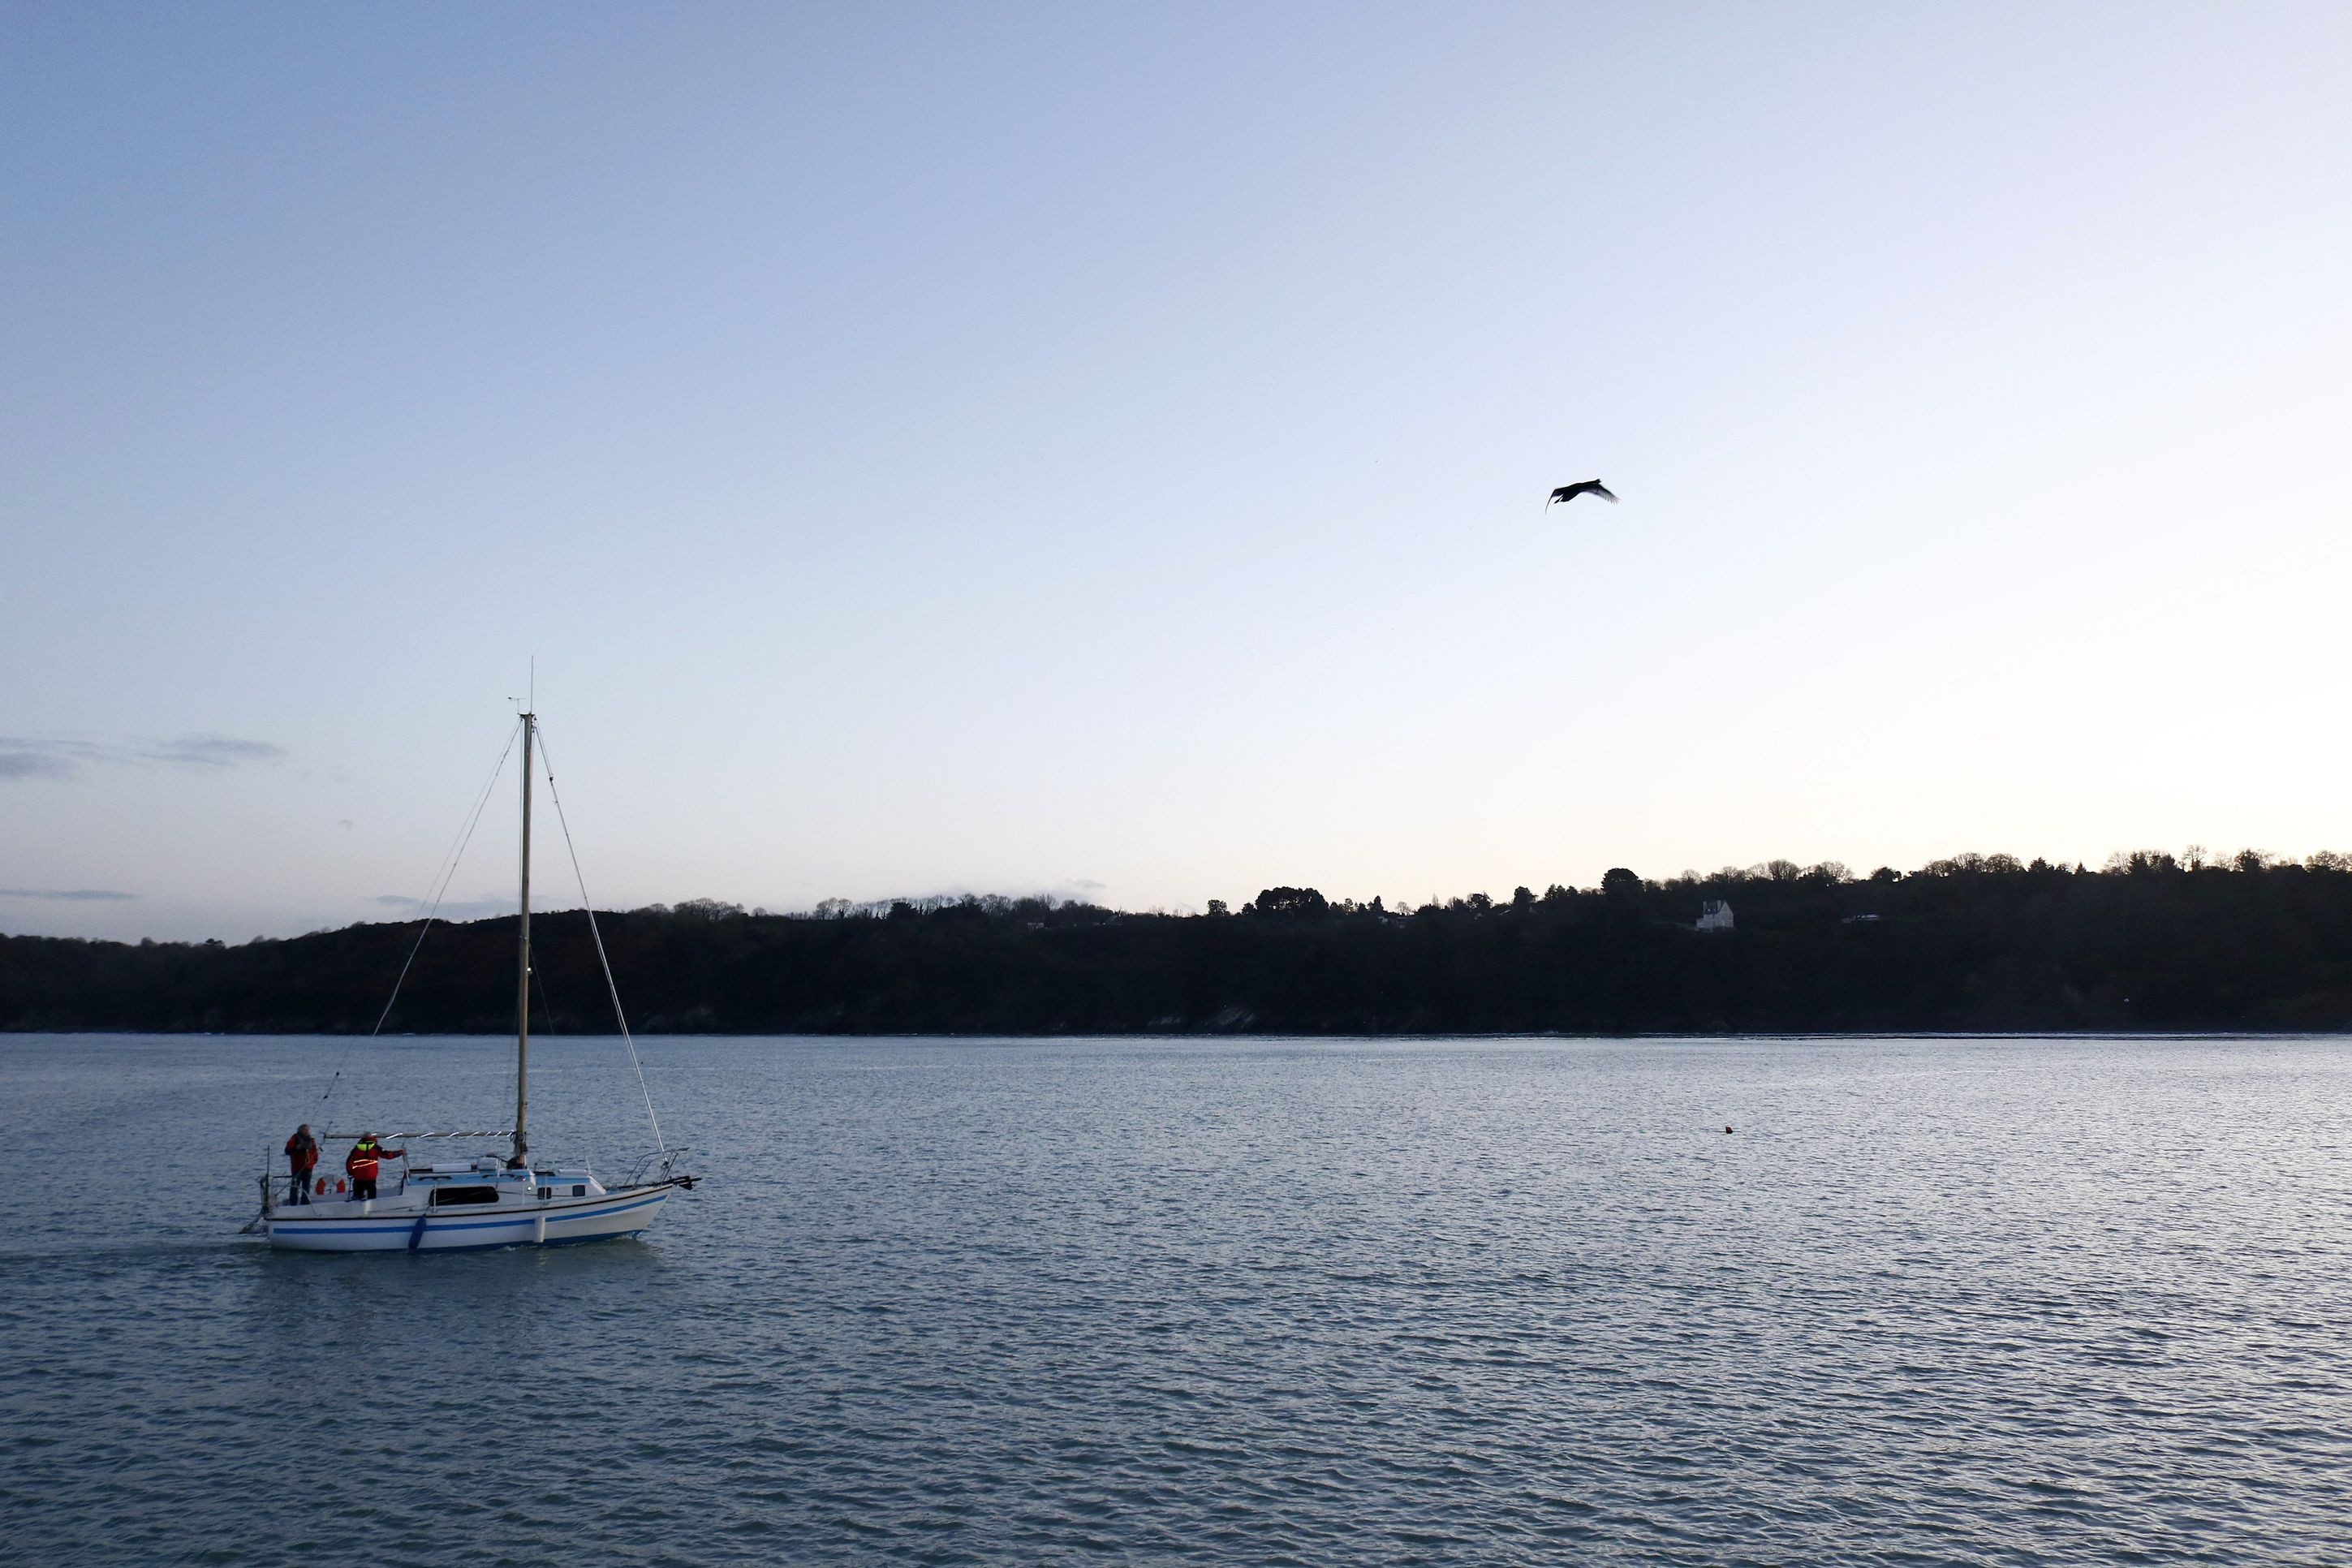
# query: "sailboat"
487 1200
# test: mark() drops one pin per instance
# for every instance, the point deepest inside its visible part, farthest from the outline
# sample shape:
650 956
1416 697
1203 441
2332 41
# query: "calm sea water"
1316 1303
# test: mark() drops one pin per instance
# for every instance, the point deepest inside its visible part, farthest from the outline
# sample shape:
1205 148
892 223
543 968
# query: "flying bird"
1569 492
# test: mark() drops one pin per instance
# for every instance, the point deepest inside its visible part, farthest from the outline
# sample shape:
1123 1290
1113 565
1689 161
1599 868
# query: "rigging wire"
546 1007
439 890
548 763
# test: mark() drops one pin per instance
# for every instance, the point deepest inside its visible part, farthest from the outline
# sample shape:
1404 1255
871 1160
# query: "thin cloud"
44 757
452 909
67 895
213 752
24 760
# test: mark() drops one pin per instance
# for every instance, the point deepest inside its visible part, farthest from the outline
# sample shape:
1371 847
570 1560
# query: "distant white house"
1714 915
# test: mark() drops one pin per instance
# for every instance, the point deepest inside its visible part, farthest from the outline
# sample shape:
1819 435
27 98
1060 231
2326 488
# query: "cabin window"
578 1192
443 1195
545 1193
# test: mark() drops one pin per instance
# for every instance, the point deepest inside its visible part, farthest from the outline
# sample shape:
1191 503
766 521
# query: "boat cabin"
486 1180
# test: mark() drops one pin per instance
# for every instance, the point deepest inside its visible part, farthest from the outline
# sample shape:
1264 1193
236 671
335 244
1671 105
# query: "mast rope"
547 763
439 890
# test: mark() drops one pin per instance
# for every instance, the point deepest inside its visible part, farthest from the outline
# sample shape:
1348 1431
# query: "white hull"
394 1226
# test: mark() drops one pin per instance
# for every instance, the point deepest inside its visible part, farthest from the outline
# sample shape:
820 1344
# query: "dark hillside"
1976 942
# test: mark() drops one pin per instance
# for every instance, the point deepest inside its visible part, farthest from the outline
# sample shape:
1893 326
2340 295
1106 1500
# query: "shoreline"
1564 1036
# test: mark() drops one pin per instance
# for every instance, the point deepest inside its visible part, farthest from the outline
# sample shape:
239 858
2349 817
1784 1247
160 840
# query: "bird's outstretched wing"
1586 487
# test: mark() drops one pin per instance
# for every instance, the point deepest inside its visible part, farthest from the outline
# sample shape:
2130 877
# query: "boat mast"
522 977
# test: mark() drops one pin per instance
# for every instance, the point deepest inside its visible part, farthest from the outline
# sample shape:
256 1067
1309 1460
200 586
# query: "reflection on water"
2001 1301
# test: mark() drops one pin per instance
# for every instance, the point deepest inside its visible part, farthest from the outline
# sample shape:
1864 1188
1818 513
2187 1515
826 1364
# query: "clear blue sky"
1101 449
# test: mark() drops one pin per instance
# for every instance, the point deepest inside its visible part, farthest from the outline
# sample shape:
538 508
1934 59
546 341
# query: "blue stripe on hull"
550 1241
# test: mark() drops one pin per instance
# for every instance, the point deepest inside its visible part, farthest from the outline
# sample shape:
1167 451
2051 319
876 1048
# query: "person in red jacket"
302 1158
361 1163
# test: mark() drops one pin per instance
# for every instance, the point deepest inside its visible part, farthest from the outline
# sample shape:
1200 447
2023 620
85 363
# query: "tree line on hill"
2151 941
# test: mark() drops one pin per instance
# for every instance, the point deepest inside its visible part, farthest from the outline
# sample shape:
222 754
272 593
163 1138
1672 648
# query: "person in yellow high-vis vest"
362 1161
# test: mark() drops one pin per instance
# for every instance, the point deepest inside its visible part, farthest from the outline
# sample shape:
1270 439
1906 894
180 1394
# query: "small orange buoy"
322 1184
338 1184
